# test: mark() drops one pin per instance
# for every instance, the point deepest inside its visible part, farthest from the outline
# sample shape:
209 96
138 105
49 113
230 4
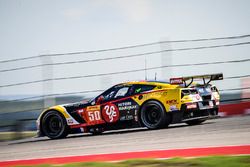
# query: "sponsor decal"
80 111
91 113
126 106
138 90
110 113
195 98
70 121
176 81
173 108
93 108
171 102
127 117
191 105
198 97
153 94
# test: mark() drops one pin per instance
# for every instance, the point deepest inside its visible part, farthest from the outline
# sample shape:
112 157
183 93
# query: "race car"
134 104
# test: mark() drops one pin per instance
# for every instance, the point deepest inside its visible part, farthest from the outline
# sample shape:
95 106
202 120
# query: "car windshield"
91 100
103 93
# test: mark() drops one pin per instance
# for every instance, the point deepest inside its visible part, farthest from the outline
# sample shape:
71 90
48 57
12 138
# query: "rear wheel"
195 122
153 115
54 125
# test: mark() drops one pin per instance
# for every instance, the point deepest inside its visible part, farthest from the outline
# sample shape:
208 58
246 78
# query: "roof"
156 83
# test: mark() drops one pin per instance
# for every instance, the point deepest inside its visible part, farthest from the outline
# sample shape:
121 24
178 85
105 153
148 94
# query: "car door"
123 107
111 101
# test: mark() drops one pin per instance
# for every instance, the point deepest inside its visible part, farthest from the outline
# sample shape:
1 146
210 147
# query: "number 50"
94 115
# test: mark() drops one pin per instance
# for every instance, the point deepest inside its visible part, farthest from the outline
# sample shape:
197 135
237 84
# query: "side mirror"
100 100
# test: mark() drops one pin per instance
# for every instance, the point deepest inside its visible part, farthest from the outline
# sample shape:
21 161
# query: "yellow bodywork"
169 95
59 109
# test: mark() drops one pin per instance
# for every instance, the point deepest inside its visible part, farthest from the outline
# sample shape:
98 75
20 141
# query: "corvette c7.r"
148 104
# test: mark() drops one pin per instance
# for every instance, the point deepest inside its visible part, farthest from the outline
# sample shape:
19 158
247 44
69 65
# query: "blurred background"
54 52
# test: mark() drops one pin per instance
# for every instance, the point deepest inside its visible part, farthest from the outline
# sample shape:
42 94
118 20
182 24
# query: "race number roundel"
110 113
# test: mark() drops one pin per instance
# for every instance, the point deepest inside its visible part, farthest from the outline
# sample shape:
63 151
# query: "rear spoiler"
209 77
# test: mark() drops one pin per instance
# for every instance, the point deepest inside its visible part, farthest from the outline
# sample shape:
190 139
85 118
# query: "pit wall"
234 109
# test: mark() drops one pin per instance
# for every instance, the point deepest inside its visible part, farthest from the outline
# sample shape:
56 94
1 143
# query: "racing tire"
54 125
195 122
153 115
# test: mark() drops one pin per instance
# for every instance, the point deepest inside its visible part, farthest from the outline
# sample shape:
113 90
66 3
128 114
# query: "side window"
115 92
122 92
137 89
109 95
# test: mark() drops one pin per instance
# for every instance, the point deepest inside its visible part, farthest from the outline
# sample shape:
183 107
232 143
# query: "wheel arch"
58 109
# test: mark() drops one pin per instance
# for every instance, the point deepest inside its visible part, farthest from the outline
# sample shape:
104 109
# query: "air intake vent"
206 97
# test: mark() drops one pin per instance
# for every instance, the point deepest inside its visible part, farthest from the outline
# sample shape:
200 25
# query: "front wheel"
153 115
54 125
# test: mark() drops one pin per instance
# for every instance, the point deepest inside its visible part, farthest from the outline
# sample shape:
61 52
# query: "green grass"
5 136
213 161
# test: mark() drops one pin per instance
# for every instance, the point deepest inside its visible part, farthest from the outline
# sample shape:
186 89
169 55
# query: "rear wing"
206 79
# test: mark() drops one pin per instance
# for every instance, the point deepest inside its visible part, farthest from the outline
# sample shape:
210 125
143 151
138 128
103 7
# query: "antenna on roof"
145 61
155 76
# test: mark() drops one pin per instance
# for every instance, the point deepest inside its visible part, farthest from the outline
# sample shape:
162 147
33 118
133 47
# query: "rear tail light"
186 92
217 102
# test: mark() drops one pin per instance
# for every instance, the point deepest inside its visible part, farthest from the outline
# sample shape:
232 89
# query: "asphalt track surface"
218 132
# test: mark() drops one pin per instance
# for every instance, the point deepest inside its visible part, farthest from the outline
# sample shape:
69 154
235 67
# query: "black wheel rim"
152 115
54 125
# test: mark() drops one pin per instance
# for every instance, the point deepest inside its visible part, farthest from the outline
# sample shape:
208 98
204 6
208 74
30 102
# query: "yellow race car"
148 104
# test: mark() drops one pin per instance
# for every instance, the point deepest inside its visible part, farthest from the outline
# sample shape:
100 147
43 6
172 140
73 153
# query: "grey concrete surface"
217 132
